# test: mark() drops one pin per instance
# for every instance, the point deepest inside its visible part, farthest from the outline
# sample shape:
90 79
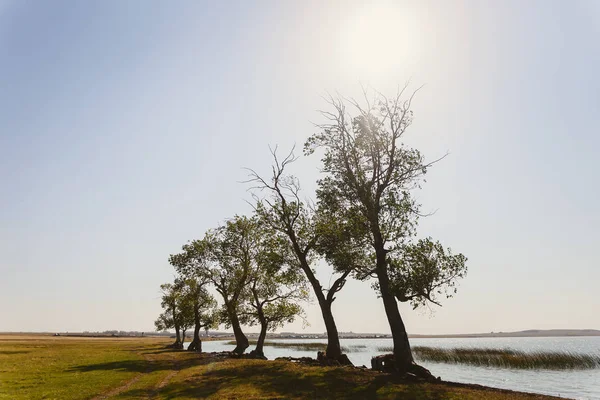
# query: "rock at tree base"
385 363
342 360
257 356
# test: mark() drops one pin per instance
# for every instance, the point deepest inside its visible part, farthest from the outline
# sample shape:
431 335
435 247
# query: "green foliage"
368 216
164 322
249 267
200 303
276 287
368 171
178 313
223 258
424 270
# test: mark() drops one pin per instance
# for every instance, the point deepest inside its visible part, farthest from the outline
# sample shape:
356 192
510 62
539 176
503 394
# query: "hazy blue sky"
124 127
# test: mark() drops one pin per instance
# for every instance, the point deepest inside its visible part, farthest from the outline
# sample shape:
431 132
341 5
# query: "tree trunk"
196 344
178 344
402 354
403 358
260 344
241 341
334 350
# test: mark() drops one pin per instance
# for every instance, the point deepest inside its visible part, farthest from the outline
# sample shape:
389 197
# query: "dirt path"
165 381
120 389
127 385
154 363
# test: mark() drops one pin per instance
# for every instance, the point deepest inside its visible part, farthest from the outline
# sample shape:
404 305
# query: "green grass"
66 368
507 358
307 346
50 369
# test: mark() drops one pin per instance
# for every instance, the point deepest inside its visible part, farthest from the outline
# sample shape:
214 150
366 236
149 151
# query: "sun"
379 39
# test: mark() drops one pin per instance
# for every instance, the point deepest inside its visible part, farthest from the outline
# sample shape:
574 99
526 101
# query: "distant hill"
526 333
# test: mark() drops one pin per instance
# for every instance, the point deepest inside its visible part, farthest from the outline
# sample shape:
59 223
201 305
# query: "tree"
203 305
369 176
276 288
177 311
224 258
185 316
287 216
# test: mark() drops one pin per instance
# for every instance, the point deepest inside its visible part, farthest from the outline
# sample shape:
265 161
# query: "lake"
578 384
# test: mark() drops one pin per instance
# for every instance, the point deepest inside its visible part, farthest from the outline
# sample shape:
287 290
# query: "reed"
508 358
308 346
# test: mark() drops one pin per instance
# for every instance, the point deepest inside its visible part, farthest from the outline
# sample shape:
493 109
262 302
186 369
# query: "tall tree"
288 216
369 175
224 257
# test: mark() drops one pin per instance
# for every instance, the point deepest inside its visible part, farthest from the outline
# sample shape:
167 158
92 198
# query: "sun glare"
379 39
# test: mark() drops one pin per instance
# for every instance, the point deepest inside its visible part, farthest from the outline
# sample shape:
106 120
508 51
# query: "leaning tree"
278 204
369 175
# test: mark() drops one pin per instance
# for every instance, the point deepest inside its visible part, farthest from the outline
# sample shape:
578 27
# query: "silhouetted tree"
369 175
289 217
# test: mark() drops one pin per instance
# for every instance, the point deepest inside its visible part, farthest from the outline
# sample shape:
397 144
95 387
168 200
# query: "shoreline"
128 368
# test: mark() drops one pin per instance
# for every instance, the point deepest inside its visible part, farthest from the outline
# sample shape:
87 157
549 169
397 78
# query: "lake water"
578 384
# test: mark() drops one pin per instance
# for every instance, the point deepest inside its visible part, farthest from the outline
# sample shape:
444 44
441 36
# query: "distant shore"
350 335
527 333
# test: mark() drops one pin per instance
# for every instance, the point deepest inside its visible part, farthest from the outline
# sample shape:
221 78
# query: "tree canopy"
369 175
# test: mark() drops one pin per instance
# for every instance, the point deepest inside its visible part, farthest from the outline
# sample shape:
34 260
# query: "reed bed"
508 358
308 346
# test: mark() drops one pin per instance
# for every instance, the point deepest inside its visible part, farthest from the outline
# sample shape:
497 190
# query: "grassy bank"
70 368
507 358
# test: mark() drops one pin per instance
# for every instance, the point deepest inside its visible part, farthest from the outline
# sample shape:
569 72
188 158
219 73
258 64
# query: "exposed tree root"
257 355
176 345
415 372
195 345
321 360
341 360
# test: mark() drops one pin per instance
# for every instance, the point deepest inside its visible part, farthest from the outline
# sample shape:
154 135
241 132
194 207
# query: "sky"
125 128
